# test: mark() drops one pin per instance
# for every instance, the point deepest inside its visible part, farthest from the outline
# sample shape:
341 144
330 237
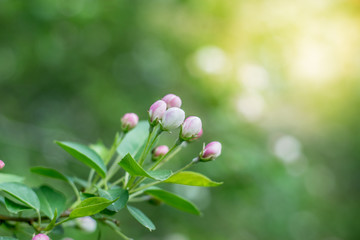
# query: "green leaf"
90 206
49 172
51 225
141 218
100 149
14 207
79 181
8 238
116 193
129 164
173 200
192 179
21 193
50 201
134 140
86 155
5 177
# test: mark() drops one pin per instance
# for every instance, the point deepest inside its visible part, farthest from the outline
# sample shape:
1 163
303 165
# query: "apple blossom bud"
191 128
157 110
159 152
210 152
87 224
129 121
172 119
40 237
2 164
172 100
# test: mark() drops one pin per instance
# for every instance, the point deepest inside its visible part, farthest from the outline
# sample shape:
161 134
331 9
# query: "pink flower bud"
160 151
210 152
172 100
157 110
191 128
172 119
197 136
129 121
2 164
40 237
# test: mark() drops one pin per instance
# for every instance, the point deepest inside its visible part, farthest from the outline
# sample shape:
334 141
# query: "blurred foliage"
277 82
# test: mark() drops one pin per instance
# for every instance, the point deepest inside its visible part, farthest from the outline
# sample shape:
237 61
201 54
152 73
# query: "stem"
140 199
145 186
177 144
118 181
61 222
115 228
172 152
30 219
75 190
112 170
145 151
143 155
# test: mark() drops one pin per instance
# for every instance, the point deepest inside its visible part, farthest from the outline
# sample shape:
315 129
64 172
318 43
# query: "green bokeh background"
277 82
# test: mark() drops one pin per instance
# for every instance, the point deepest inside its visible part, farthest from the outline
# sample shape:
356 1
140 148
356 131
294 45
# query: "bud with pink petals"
210 152
172 100
191 128
156 111
129 121
2 164
159 152
40 237
172 119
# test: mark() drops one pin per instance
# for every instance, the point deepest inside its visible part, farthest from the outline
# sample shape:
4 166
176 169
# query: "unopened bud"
191 128
172 119
157 110
159 152
210 152
129 121
40 237
87 224
172 100
2 164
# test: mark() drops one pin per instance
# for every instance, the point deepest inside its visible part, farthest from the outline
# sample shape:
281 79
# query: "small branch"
29 220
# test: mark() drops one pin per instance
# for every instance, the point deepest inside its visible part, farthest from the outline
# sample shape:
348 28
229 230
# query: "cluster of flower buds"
2 164
129 121
159 152
40 237
168 112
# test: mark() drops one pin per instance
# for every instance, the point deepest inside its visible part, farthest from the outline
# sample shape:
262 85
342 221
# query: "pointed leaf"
5 177
51 225
116 193
129 164
192 179
50 201
14 207
134 140
86 155
141 218
90 206
173 200
49 172
22 193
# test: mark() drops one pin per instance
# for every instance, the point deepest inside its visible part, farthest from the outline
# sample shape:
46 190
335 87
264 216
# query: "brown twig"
29 220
